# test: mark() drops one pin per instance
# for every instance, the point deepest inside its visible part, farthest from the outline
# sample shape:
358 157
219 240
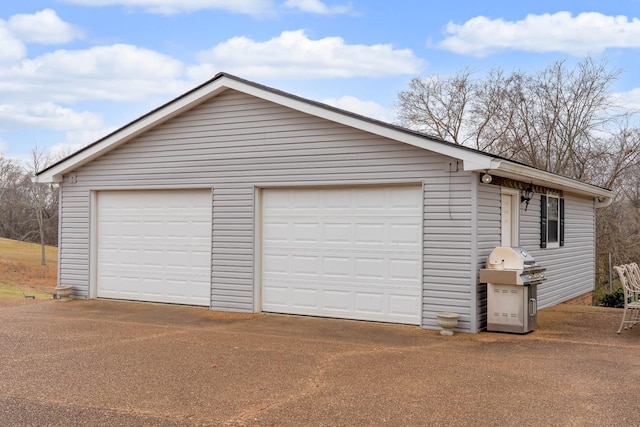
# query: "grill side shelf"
512 277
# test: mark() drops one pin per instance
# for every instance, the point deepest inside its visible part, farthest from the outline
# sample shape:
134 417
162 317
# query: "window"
551 221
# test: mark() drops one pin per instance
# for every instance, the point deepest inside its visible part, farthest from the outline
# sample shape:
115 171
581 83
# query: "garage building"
240 197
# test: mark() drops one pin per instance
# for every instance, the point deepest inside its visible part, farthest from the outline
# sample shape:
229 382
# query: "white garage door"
351 253
155 246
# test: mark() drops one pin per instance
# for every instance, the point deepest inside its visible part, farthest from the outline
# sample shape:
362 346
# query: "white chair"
628 278
634 275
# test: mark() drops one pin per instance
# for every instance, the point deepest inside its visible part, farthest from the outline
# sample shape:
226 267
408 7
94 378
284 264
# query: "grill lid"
508 258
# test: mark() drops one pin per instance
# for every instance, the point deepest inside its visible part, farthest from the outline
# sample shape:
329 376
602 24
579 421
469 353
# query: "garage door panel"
368 234
369 268
403 305
276 232
304 298
305 265
276 296
369 302
306 232
352 252
337 301
337 267
337 233
155 246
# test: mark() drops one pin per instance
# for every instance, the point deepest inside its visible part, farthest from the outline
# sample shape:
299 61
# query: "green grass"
21 272
8 292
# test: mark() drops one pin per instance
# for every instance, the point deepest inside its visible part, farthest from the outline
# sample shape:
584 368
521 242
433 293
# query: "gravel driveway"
116 363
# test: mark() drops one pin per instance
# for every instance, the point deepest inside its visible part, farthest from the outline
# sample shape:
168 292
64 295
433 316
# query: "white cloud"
85 137
62 150
11 48
316 6
248 7
43 27
366 108
76 140
118 72
560 32
203 72
169 7
4 147
629 100
293 55
45 116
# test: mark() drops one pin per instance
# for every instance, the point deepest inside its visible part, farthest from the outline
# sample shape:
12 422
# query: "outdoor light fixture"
526 197
486 178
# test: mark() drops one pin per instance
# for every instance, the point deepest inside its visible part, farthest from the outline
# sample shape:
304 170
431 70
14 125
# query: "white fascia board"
126 133
524 173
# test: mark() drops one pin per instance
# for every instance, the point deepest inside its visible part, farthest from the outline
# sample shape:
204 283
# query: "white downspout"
602 202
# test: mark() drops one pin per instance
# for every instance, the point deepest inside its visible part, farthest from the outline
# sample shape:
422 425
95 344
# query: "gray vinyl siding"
448 249
570 269
73 261
232 248
489 236
236 144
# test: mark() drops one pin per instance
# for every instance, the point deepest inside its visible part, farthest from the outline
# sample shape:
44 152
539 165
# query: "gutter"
504 168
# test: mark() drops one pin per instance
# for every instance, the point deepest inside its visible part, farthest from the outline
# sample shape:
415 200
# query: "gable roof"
472 160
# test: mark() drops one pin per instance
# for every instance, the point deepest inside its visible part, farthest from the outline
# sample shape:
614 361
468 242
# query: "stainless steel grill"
512 276
512 266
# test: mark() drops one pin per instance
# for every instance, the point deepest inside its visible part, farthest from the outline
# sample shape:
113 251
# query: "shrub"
614 299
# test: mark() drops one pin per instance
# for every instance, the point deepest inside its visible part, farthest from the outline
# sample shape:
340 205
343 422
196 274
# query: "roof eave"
602 196
472 160
55 173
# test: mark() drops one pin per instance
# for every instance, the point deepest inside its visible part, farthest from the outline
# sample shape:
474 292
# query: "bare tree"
40 197
11 199
28 211
561 119
438 106
548 119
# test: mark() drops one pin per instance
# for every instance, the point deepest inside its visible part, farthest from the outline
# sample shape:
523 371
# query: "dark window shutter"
561 222
543 221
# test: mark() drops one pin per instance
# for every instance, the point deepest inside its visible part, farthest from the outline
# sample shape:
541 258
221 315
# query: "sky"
72 71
